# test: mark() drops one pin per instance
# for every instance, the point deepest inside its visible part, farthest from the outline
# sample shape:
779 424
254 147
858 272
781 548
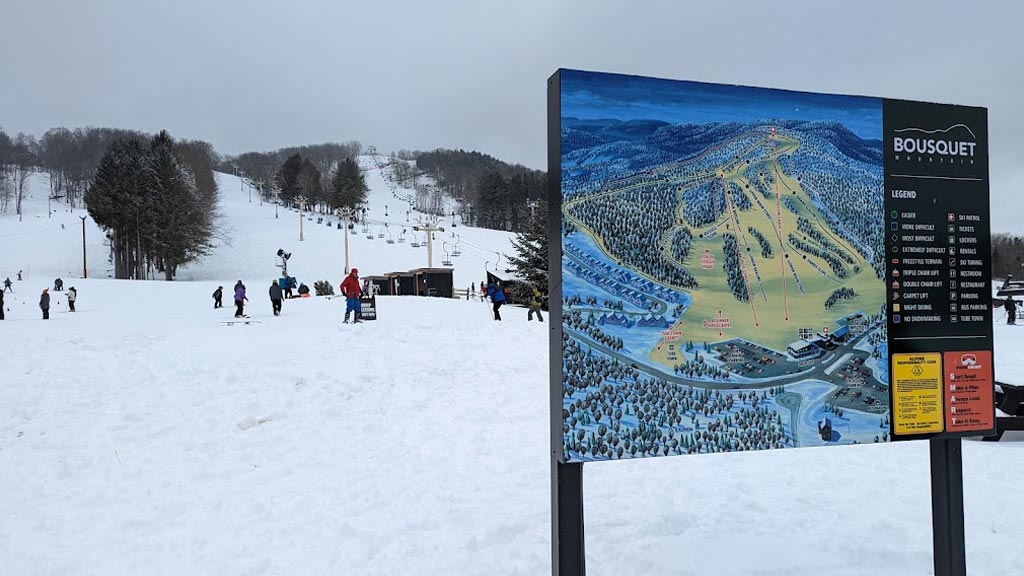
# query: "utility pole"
277 200
301 200
85 272
347 214
429 228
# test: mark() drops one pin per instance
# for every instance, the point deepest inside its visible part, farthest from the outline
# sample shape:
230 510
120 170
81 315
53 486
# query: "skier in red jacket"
351 291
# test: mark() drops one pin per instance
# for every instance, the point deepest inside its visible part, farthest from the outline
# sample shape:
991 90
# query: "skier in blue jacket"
497 296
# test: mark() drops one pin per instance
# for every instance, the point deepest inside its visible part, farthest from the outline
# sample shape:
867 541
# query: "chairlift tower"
346 214
429 228
532 205
301 201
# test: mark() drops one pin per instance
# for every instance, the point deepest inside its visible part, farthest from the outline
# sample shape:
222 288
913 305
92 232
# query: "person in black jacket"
275 297
218 297
44 303
1011 310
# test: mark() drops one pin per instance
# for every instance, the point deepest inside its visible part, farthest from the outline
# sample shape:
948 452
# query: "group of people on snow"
278 293
498 295
44 298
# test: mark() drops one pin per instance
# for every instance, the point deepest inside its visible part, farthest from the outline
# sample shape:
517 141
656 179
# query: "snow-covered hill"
250 233
250 236
140 435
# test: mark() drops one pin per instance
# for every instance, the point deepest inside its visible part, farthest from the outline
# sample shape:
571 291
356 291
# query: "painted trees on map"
751 234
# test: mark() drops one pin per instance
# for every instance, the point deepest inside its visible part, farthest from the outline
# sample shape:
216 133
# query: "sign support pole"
567 554
948 507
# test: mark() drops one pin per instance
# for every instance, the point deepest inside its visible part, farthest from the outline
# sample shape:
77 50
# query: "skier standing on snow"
58 285
535 301
350 289
288 285
218 297
275 297
240 299
1011 310
7 285
19 275
72 296
497 298
44 303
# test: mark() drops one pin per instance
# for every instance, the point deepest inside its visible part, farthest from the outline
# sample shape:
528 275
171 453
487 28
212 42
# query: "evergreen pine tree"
531 258
349 185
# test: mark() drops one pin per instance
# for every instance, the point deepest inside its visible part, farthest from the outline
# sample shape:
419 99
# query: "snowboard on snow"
245 321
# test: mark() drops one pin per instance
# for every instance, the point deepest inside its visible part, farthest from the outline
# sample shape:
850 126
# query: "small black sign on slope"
368 308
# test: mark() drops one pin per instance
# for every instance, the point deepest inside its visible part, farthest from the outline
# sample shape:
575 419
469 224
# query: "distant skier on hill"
275 297
7 285
497 296
72 296
19 275
350 289
44 303
218 297
58 285
240 300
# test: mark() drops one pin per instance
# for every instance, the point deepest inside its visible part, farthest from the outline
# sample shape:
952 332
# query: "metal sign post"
948 507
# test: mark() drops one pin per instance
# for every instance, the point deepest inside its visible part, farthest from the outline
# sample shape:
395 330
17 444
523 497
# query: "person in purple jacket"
240 299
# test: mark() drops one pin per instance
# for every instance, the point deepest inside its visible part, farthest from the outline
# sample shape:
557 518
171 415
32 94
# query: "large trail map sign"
724 279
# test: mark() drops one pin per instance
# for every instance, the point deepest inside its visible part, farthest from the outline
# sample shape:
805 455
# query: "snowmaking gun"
1009 401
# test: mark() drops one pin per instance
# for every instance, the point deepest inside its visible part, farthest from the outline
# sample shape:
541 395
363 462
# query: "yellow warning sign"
917 393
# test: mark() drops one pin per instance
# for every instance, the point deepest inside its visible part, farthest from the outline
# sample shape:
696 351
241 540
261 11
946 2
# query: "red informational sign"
969 389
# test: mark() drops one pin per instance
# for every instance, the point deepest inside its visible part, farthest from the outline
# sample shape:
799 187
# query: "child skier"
218 296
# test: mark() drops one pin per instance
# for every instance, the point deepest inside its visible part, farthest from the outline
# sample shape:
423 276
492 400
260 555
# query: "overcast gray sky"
259 75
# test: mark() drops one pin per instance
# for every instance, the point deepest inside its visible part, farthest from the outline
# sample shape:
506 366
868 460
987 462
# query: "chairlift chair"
380 233
447 260
401 237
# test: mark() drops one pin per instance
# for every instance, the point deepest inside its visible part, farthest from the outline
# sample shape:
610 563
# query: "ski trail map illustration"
722 268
